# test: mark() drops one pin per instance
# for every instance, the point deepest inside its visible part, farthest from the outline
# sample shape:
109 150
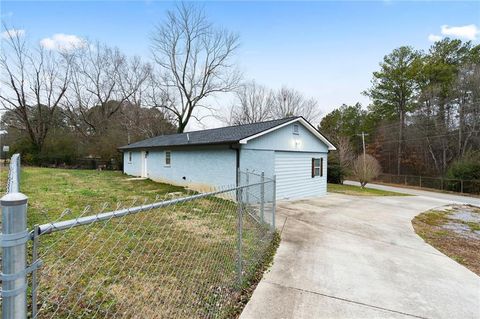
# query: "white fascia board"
314 131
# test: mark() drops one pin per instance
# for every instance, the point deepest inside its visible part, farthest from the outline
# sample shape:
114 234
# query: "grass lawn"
358 191
455 231
51 191
176 261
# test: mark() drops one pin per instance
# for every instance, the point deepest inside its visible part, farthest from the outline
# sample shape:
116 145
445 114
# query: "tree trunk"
400 140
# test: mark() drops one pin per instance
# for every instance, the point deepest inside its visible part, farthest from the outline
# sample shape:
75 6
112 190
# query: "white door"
144 164
294 175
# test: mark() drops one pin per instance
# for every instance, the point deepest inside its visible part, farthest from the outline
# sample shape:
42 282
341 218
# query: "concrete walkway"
359 257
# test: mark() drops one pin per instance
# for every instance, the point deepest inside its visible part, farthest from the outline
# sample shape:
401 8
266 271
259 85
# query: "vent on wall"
295 129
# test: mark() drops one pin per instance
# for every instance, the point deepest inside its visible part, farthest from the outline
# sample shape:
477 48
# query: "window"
295 129
317 167
168 158
129 157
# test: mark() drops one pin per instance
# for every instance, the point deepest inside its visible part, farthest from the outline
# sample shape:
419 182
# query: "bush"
365 169
335 173
466 168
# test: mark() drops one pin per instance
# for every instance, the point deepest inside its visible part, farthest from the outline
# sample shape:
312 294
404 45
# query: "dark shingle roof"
222 135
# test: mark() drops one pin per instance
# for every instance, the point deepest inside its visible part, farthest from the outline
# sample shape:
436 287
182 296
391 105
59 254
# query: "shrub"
365 169
335 173
466 168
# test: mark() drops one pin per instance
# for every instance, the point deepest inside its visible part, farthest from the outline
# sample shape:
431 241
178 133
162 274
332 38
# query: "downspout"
236 147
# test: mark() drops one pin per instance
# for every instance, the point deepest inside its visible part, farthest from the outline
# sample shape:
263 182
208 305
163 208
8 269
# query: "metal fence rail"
183 257
444 184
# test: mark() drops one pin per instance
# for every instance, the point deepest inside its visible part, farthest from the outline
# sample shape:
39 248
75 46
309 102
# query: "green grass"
358 191
172 262
51 191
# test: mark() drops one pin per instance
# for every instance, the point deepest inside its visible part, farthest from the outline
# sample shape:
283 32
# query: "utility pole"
364 153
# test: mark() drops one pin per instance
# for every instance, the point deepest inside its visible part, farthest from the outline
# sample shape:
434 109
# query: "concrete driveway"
359 257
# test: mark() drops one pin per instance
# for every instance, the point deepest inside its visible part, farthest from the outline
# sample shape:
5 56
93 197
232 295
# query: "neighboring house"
290 148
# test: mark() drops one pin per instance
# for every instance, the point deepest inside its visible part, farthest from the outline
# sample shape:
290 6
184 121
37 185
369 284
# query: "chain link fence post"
14 258
247 181
262 197
274 201
240 235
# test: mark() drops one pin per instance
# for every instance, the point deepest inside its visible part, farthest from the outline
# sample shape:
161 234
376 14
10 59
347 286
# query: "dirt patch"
455 231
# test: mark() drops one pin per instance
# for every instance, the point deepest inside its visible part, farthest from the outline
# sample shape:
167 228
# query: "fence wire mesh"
439 183
186 257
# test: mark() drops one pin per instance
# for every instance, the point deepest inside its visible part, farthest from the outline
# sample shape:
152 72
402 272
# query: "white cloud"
13 33
9 14
434 38
63 42
468 32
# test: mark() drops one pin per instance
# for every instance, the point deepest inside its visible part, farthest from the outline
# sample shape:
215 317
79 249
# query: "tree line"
424 116
86 100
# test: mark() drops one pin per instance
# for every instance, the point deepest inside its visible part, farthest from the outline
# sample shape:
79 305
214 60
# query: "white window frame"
318 167
130 157
169 157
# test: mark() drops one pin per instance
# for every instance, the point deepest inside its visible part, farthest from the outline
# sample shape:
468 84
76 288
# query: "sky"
325 49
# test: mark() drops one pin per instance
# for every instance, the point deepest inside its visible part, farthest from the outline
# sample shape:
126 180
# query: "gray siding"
289 157
283 139
294 175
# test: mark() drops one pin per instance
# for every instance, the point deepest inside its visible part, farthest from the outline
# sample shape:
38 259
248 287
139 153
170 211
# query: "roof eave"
122 148
305 123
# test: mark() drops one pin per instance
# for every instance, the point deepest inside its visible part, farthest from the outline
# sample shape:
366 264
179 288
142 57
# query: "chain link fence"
184 257
439 183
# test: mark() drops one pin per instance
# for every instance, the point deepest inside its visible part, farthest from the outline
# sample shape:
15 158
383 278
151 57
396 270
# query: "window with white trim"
129 157
168 158
317 167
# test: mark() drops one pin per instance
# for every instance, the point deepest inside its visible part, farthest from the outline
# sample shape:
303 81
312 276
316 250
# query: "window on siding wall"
317 167
129 157
168 158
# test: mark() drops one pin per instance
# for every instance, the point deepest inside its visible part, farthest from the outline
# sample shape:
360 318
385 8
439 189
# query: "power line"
432 136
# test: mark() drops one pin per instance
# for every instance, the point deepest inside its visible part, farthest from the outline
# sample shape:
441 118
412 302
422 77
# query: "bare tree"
290 102
140 122
34 83
366 168
103 80
194 61
253 104
346 155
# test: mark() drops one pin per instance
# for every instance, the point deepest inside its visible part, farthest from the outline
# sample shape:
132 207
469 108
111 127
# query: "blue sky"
328 50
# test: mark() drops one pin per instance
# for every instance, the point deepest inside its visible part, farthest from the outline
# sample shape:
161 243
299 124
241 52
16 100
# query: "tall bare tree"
290 102
194 61
346 154
103 80
34 83
254 103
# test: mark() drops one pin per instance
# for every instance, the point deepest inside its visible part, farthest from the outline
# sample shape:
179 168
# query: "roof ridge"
232 133
237 125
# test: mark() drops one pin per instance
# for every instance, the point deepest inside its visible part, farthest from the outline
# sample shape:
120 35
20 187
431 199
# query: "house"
291 149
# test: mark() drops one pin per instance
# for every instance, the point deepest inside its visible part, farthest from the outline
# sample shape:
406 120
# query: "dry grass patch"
455 231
